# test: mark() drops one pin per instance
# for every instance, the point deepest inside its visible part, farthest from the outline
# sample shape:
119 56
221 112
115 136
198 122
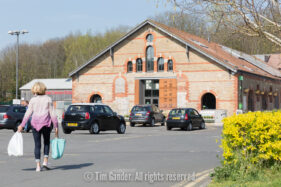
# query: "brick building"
154 63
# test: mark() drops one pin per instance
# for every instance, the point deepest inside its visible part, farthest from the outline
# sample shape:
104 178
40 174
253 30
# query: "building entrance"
160 92
151 92
96 98
208 101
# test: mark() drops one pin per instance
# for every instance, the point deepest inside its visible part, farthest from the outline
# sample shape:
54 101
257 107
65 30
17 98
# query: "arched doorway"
96 98
251 101
208 101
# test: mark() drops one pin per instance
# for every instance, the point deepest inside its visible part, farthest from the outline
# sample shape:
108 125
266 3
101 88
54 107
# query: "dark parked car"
184 118
146 114
11 116
94 117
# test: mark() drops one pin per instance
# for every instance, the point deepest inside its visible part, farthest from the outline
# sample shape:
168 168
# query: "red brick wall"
193 76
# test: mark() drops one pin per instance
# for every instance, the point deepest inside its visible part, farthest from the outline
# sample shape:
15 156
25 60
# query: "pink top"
42 111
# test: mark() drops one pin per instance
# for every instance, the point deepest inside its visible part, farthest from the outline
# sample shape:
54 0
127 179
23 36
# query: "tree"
254 18
197 25
80 48
185 22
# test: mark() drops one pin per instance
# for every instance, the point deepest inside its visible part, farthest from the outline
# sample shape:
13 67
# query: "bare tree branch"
250 17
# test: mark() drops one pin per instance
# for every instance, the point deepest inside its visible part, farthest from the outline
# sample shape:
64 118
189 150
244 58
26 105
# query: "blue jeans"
46 132
28 124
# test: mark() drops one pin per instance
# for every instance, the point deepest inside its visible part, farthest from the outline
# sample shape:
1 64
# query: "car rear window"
4 108
177 112
140 108
77 108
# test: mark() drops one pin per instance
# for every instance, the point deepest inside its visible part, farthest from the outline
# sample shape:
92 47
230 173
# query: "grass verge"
264 178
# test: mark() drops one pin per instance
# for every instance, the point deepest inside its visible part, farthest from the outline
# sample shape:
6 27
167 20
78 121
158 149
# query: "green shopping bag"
58 146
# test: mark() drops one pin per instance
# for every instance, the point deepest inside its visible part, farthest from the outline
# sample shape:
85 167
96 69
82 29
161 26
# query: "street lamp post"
17 33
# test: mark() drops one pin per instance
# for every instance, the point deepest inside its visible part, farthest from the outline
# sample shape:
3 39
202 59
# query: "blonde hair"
38 88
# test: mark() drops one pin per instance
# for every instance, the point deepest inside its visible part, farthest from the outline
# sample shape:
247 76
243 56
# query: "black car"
146 114
184 118
11 116
94 117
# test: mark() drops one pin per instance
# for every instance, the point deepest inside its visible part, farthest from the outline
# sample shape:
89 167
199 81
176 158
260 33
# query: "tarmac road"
144 156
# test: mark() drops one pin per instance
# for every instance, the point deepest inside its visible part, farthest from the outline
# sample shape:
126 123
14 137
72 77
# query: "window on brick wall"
160 64
130 67
139 65
149 38
149 58
170 65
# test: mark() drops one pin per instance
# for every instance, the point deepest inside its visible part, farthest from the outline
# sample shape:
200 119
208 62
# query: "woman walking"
43 116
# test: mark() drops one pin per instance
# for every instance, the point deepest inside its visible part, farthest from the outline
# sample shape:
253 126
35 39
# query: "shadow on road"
64 167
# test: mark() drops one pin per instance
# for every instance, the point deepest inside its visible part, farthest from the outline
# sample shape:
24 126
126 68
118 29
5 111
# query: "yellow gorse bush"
254 137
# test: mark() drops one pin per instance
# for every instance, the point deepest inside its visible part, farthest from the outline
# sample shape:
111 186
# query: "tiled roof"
236 59
226 57
275 60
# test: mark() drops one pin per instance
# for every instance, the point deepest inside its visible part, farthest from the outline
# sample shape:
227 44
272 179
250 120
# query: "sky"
48 19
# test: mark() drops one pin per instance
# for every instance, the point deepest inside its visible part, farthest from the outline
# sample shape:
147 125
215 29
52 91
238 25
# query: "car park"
146 114
11 116
184 118
94 117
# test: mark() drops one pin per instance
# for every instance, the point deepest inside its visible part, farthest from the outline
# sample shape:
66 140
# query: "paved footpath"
144 156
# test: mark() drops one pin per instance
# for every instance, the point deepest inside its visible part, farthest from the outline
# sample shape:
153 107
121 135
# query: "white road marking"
203 177
199 177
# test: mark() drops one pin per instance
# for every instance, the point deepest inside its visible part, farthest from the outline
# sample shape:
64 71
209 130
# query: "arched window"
149 58
170 65
130 67
139 65
149 38
208 101
160 64
96 98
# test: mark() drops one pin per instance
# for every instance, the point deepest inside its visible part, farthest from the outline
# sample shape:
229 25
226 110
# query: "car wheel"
189 127
66 131
16 126
202 125
163 122
121 128
132 124
152 122
168 128
95 128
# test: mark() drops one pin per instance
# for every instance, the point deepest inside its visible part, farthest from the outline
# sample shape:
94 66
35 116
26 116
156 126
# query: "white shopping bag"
15 146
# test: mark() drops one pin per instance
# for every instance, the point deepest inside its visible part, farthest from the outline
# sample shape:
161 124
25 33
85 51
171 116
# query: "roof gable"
220 54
